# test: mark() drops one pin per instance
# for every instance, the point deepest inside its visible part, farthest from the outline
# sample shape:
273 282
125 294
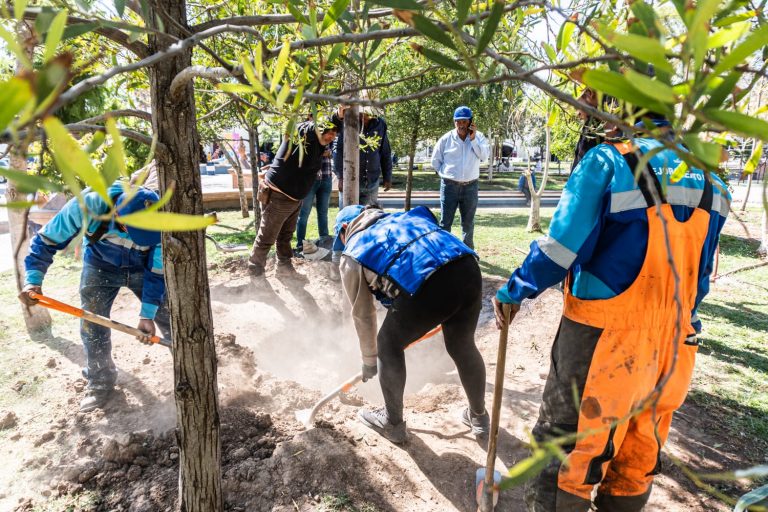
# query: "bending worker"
621 325
115 256
406 261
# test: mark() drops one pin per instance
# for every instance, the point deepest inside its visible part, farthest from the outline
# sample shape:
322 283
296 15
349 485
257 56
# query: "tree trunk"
534 218
351 155
237 166
412 159
253 142
194 364
492 158
36 319
749 189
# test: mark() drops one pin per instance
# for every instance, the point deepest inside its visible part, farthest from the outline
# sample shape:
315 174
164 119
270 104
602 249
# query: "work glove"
24 294
148 326
369 372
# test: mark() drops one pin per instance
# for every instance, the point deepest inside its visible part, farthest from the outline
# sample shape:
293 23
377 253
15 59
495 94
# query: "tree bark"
36 319
492 158
196 393
763 249
749 189
534 217
412 156
351 155
237 166
253 142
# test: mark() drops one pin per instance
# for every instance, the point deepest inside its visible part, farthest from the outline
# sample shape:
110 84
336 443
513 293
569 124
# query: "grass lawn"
731 378
424 180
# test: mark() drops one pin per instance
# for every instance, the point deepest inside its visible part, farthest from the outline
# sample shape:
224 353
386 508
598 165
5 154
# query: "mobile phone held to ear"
471 127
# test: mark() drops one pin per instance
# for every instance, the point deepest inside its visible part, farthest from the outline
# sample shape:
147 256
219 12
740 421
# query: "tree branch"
141 114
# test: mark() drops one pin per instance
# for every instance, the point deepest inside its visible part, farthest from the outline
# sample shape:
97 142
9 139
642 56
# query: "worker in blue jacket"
114 256
414 268
621 335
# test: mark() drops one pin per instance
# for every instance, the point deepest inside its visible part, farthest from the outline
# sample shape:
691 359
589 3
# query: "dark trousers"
278 222
98 289
452 296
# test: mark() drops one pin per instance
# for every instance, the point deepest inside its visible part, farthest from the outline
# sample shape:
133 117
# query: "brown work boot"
255 270
285 270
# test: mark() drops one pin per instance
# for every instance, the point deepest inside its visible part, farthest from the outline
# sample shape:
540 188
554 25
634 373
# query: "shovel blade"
480 488
306 418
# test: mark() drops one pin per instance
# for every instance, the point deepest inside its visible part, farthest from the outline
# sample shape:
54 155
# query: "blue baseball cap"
345 216
140 201
462 113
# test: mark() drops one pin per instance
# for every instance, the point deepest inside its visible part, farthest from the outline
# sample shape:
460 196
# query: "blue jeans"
98 289
321 191
368 195
464 196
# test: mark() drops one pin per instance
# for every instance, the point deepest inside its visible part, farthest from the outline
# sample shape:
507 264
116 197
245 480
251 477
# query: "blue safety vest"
406 248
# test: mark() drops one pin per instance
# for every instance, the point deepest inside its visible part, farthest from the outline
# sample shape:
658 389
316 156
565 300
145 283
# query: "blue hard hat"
462 112
345 216
140 201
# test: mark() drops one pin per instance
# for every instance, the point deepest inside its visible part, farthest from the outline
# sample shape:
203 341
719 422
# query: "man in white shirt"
456 160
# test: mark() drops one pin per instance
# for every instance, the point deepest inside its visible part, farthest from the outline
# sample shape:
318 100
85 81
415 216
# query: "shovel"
307 416
94 318
487 479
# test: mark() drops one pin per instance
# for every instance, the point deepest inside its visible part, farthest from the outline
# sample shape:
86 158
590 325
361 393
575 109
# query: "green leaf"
754 42
754 158
77 29
679 172
53 37
285 91
744 16
280 65
165 221
16 93
707 152
29 183
551 53
408 5
296 13
15 48
72 160
647 16
650 87
724 36
698 30
96 142
564 35
739 123
236 88
491 24
258 62
438 58
722 91
336 10
334 53
619 87
642 48
119 8
114 164
19 6
429 29
526 469
462 10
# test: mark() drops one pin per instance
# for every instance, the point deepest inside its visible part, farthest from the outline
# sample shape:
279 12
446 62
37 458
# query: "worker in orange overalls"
623 356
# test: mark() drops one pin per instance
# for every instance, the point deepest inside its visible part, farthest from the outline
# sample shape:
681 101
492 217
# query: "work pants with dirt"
278 222
98 289
452 296
620 368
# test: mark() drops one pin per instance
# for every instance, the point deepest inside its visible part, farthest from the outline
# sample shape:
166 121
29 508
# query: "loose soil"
281 345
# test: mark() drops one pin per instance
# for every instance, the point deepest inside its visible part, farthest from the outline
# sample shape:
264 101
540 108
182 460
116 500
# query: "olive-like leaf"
165 221
16 94
754 42
738 123
526 468
491 24
754 158
645 49
28 183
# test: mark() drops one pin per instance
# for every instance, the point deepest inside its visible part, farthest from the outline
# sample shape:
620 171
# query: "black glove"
369 372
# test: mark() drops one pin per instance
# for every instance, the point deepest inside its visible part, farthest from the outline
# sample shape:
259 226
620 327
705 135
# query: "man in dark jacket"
414 268
287 182
375 156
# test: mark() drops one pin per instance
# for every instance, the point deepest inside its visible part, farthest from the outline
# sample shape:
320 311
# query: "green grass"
427 180
343 503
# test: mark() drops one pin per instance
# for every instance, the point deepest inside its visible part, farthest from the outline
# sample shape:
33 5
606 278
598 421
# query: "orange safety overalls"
641 340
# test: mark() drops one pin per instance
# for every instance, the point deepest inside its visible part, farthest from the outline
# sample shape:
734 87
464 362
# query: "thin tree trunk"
194 361
763 249
351 155
234 161
253 141
749 188
36 319
534 218
491 160
412 154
